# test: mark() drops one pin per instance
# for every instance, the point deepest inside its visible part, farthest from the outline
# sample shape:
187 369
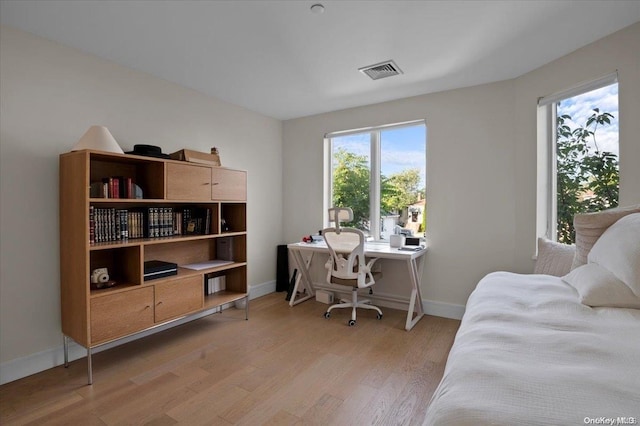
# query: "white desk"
413 259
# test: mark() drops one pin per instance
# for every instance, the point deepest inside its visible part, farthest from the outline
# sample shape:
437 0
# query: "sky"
581 107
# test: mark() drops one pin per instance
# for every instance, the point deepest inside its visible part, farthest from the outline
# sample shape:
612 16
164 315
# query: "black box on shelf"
224 248
154 269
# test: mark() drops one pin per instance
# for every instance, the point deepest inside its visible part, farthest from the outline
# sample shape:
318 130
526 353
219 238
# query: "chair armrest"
370 263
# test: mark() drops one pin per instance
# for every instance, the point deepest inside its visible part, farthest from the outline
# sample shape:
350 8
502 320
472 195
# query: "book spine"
156 222
158 228
137 227
165 221
138 224
129 186
110 181
110 226
177 223
105 188
147 223
107 223
101 228
98 225
168 227
122 219
186 217
117 225
172 223
133 224
155 228
92 225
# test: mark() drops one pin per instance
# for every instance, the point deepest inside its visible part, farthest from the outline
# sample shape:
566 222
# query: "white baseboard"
441 309
34 363
263 289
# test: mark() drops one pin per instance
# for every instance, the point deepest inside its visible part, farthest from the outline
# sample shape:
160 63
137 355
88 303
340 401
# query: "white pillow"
553 258
598 287
590 226
618 251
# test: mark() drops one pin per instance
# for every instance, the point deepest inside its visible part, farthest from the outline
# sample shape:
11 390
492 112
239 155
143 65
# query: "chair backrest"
346 256
337 214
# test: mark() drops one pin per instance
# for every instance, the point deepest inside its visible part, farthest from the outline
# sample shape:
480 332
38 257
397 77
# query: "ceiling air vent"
381 70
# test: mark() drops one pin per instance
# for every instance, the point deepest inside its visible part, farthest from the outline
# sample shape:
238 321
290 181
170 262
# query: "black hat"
148 151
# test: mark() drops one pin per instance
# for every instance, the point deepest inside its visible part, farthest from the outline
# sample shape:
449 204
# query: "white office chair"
347 265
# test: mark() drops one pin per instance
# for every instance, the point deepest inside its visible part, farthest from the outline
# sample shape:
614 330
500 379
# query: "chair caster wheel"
327 315
352 323
379 316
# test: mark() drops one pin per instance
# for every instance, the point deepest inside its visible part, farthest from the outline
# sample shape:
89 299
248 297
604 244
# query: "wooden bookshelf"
93 317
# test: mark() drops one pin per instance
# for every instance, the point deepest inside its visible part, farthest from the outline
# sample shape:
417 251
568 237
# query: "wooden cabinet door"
178 297
228 185
117 315
188 182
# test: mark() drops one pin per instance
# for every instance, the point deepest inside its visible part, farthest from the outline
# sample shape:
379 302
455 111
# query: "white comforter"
528 353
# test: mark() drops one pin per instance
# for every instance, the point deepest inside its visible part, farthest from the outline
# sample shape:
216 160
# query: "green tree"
351 187
587 178
400 190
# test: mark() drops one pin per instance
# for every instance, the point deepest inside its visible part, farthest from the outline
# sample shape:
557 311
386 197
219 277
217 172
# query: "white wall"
51 94
481 166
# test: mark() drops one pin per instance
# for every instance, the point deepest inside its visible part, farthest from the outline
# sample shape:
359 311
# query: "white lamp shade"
98 138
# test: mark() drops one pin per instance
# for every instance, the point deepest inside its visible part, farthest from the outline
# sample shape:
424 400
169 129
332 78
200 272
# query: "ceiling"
281 60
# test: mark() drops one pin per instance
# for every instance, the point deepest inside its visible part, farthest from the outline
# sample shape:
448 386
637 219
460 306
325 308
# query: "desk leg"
415 275
303 277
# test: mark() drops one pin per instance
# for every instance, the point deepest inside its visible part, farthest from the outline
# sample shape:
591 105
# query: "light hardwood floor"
283 366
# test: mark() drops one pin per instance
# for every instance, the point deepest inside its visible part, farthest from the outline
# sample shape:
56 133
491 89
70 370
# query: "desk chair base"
354 304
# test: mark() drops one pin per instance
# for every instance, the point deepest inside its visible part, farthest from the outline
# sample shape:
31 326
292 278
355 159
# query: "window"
582 166
381 174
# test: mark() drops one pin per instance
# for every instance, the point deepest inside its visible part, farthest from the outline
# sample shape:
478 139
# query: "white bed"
528 352
543 350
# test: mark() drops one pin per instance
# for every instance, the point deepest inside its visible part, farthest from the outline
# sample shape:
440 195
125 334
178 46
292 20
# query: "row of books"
110 224
115 187
214 284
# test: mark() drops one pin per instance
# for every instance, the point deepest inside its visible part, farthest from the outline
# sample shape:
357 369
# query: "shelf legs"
65 341
89 369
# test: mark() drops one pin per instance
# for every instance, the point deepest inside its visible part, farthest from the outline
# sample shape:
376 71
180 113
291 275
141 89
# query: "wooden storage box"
196 157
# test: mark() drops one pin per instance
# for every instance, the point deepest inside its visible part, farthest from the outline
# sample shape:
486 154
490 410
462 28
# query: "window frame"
375 147
547 194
